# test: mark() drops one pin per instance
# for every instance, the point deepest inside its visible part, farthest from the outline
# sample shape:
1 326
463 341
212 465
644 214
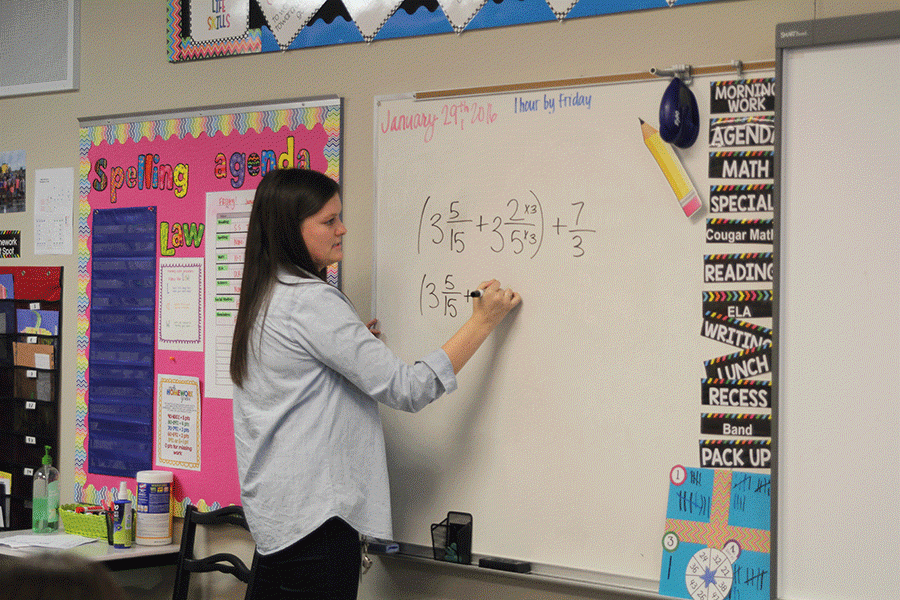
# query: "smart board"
838 491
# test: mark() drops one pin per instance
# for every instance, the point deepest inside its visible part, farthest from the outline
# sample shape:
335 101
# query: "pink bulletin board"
179 163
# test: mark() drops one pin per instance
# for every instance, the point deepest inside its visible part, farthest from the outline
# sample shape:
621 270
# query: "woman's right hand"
494 303
487 312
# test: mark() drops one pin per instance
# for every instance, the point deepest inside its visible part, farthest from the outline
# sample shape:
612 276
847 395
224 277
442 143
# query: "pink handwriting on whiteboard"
456 115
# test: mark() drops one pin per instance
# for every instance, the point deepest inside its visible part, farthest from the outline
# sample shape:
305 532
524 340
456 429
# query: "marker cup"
451 539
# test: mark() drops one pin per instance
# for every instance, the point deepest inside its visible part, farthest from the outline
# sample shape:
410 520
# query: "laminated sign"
716 539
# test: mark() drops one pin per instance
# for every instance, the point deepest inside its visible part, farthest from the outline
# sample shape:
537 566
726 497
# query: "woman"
308 377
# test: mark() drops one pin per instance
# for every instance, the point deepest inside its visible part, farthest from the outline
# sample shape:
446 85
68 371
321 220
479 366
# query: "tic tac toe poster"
717 537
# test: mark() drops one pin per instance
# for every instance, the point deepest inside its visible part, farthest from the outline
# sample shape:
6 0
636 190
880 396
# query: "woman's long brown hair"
284 198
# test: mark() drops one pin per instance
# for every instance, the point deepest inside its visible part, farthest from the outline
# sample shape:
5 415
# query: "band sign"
736 424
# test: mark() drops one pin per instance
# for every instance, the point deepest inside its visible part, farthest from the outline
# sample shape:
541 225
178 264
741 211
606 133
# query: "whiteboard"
839 315
567 423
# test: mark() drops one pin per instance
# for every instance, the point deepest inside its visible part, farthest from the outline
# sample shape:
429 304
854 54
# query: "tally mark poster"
146 188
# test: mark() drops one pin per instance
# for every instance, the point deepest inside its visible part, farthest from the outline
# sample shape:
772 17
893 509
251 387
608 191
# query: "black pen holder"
451 539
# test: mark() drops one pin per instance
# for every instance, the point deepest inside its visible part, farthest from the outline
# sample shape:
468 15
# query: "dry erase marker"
476 294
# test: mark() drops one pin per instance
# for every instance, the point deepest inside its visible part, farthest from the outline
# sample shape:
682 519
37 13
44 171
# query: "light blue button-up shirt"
307 429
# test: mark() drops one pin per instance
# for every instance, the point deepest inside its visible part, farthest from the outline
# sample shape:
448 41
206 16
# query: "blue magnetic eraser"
505 564
383 547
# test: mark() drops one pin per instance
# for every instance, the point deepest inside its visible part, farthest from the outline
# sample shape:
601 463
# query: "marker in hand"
475 294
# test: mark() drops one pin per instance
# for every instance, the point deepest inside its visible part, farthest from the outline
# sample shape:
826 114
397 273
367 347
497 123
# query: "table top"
100 550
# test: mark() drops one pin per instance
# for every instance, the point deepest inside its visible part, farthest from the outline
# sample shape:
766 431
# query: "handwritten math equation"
520 228
441 295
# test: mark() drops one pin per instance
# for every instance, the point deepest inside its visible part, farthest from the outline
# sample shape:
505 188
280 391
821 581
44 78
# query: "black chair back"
221 562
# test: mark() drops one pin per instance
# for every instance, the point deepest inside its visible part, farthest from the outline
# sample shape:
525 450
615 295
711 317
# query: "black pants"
324 564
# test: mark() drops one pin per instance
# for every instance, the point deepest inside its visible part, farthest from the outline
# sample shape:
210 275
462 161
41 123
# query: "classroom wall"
124 70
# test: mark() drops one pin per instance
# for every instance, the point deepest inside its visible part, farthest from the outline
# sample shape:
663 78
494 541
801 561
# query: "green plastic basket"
88 525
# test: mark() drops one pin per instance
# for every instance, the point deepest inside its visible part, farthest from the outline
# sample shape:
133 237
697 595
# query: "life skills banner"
203 29
176 164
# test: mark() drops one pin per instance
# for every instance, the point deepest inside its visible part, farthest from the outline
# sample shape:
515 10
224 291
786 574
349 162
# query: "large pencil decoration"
673 170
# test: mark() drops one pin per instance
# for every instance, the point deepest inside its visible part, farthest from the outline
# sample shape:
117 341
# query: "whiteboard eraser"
383 547
505 564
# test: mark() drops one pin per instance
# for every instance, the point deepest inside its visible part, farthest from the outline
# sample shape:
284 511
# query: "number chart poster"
199 170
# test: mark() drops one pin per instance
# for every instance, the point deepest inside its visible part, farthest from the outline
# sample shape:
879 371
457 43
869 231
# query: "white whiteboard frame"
807 36
624 585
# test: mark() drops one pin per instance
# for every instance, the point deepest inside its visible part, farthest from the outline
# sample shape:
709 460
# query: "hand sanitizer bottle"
45 500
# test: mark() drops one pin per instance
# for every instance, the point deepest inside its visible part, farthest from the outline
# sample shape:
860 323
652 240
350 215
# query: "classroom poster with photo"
13 173
173 165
